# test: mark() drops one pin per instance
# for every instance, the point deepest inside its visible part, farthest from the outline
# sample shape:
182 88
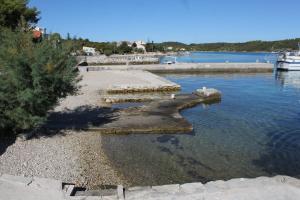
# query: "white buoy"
172 96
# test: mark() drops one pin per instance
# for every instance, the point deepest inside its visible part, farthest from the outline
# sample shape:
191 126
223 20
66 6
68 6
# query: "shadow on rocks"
5 142
79 119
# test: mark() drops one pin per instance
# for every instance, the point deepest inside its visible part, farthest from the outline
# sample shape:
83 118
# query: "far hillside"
109 48
251 46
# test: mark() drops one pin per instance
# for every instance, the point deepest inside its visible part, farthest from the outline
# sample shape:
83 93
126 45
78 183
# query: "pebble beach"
74 155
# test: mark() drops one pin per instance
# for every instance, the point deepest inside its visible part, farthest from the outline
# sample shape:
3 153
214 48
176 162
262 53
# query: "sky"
188 21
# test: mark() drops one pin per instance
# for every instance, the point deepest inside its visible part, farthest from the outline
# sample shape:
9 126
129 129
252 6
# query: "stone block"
138 194
287 180
25 181
192 188
68 190
120 192
166 188
139 188
93 198
216 186
83 69
46 184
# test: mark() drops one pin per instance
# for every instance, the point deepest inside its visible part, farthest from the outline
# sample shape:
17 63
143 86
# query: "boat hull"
288 66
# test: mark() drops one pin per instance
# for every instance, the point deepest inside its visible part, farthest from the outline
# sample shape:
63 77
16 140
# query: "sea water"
254 131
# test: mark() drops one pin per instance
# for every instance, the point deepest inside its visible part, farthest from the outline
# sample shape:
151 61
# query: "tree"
12 12
68 36
124 48
149 47
140 50
134 45
108 52
55 36
33 77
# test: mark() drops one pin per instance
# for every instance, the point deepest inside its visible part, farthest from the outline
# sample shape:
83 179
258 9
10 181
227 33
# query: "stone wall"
120 59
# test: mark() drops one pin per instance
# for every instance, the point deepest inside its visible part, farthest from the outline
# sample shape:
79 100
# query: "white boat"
170 60
289 61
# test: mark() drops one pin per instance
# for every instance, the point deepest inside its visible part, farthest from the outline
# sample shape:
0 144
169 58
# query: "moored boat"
289 61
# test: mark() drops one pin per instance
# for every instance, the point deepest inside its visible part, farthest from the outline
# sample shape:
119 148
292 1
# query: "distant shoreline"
235 52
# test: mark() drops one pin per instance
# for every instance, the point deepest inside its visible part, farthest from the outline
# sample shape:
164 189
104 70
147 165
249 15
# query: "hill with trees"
109 48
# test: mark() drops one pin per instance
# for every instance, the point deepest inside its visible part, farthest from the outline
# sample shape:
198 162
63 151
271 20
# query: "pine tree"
11 12
33 76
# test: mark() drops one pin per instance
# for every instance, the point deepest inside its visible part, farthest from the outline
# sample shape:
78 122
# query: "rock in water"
207 92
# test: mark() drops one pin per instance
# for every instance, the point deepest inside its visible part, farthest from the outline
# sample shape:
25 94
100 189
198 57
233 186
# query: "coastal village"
65 99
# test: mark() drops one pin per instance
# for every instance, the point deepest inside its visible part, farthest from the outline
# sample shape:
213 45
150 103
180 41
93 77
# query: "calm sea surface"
253 131
203 57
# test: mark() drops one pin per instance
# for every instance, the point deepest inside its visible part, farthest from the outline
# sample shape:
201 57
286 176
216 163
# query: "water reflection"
288 78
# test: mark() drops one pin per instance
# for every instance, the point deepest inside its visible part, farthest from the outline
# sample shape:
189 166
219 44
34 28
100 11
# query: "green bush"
33 76
108 52
139 50
124 48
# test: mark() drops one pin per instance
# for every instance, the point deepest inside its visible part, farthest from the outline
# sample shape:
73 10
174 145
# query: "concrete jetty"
119 59
192 67
261 188
128 81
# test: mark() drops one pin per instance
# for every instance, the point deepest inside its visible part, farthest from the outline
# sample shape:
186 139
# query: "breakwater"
192 68
133 59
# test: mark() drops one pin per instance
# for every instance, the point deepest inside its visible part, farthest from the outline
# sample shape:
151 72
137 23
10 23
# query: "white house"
140 45
42 30
89 50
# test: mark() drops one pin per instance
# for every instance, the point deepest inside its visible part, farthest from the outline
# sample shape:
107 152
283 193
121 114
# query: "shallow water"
253 131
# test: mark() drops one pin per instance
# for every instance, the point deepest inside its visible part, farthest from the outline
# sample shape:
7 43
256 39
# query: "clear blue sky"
186 21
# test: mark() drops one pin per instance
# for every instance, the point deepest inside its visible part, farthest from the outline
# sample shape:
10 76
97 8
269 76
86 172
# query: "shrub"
140 50
33 76
108 52
124 48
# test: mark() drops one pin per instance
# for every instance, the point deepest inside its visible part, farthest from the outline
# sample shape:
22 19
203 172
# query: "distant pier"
192 67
